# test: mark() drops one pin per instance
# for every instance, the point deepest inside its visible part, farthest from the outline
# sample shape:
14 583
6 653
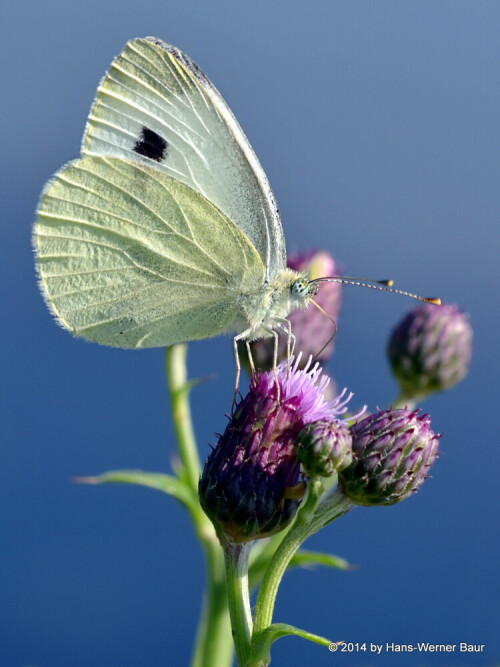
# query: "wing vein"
121 251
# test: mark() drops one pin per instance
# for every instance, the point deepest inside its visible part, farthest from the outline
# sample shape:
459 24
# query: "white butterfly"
166 229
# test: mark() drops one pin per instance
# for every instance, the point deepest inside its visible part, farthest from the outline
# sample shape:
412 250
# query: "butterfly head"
302 288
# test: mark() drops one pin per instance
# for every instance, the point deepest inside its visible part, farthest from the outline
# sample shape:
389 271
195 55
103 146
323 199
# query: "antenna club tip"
435 300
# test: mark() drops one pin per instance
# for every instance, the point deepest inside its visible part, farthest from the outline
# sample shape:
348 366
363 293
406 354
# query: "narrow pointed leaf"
262 642
307 559
162 482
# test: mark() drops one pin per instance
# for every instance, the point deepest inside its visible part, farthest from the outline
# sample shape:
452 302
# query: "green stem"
291 542
179 397
236 557
311 516
404 401
214 644
332 507
410 402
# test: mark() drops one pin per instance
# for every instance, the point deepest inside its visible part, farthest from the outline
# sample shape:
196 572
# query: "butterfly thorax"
265 309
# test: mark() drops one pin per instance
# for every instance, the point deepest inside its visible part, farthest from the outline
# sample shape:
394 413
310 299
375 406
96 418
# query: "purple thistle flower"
392 453
430 350
310 326
324 447
250 487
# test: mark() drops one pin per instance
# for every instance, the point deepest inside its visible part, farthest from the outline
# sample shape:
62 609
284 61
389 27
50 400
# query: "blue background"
378 126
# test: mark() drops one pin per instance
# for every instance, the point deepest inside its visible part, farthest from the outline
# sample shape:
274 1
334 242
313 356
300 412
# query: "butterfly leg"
242 336
250 357
286 326
274 334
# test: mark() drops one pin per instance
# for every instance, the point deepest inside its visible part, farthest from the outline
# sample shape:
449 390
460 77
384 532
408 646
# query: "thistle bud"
392 453
251 485
430 349
324 447
310 326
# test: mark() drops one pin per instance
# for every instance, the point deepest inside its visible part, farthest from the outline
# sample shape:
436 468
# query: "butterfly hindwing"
130 257
157 106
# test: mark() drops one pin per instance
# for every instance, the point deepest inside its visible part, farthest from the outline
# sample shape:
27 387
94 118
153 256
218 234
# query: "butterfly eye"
300 288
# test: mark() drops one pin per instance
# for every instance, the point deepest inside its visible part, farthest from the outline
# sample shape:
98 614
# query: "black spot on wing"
151 145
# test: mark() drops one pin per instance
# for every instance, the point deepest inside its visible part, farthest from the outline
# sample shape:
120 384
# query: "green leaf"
307 559
159 481
260 652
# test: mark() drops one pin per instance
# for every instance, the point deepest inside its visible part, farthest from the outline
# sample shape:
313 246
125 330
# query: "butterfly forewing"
130 257
155 105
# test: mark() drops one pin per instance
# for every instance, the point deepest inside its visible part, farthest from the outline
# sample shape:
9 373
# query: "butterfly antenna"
335 328
381 285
